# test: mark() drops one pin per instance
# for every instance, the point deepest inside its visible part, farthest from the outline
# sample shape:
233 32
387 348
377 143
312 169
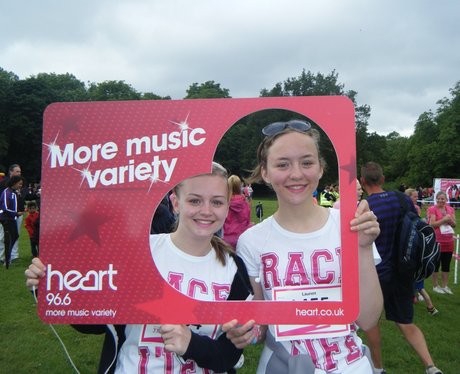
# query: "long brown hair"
221 247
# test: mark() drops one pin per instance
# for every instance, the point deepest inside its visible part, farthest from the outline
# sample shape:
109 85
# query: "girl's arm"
243 335
8 198
370 293
218 355
447 219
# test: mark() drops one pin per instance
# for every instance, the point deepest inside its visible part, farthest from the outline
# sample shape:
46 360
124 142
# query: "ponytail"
221 248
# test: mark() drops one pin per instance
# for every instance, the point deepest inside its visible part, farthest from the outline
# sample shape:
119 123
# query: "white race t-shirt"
203 278
283 258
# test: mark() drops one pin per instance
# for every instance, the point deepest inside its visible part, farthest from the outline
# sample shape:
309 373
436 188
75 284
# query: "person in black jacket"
13 171
9 215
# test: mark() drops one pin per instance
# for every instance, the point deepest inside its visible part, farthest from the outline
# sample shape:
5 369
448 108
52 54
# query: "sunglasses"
276 127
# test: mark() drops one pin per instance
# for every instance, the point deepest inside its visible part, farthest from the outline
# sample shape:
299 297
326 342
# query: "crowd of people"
15 199
206 233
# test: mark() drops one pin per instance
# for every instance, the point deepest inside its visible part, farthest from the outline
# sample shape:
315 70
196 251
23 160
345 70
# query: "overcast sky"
401 56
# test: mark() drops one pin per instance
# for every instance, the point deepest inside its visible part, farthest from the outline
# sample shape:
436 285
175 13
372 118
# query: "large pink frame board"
100 188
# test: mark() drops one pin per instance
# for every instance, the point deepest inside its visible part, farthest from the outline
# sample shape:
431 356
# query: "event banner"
451 187
105 168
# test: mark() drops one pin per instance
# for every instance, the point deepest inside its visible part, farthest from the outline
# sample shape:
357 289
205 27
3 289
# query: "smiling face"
293 168
18 185
441 199
202 204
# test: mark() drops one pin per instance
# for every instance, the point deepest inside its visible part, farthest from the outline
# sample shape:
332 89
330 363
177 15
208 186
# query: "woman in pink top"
442 218
239 213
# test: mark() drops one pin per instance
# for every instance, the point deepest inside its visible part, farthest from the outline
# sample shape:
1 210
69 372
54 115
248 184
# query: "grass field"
29 346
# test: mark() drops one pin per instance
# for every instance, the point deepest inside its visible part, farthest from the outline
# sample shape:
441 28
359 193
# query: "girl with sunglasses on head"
300 245
197 263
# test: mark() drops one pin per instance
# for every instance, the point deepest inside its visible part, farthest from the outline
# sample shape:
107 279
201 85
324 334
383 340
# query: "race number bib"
310 293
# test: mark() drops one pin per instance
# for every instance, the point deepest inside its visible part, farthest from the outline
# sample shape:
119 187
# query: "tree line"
432 151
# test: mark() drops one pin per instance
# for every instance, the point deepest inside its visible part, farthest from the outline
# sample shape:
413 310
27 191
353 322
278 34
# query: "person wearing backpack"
442 218
420 285
397 290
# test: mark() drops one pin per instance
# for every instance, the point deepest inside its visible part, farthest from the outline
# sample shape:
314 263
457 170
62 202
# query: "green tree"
27 101
152 96
395 158
307 84
432 151
112 90
448 122
422 150
434 148
23 101
207 90
62 87
7 82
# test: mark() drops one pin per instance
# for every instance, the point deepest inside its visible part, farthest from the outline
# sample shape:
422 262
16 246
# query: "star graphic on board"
154 180
53 147
87 222
183 305
183 125
349 168
85 174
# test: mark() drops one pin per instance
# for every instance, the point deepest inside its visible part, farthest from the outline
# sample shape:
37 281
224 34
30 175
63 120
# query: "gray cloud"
400 56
